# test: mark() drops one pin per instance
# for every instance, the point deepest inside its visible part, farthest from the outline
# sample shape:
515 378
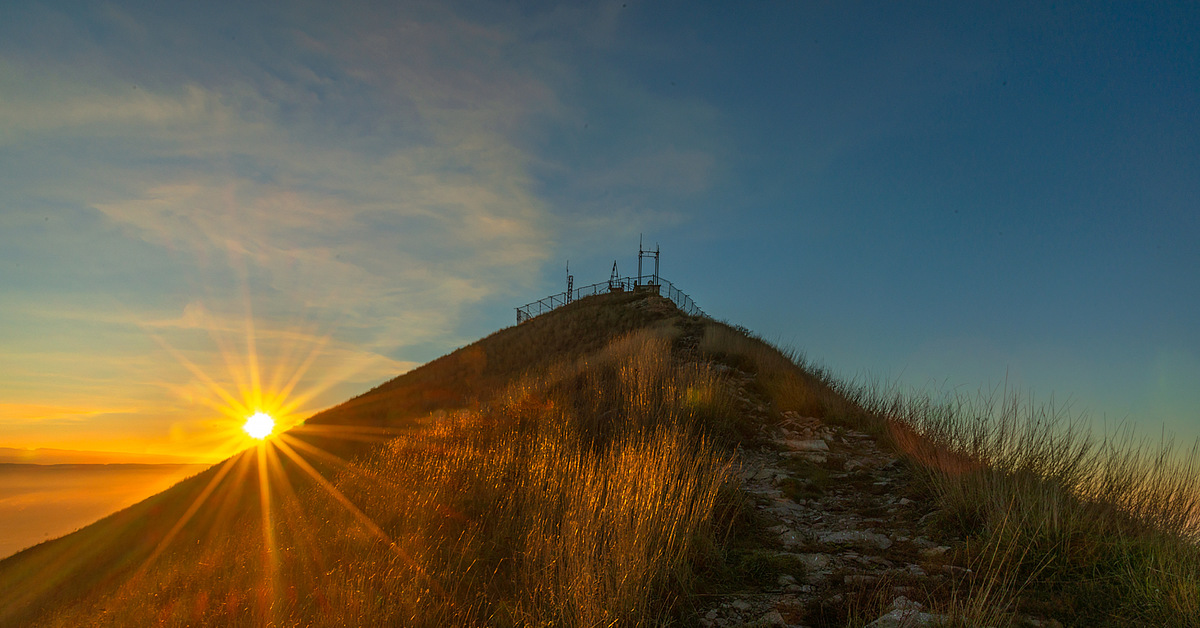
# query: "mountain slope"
615 462
82 574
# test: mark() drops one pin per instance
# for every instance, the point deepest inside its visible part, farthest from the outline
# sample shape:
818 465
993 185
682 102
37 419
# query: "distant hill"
44 501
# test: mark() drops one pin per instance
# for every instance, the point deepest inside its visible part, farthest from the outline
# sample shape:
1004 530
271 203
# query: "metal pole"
639 277
656 263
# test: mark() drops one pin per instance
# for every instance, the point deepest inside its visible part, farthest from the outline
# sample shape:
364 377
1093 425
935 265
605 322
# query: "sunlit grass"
578 495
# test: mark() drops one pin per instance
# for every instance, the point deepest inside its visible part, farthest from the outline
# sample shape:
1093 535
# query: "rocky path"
846 526
839 524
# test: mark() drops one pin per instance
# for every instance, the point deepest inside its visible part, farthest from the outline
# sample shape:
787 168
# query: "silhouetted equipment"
653 278
614 281
650 283
570 283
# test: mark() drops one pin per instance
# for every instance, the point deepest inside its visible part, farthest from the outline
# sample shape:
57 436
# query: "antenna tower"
648 253
570 283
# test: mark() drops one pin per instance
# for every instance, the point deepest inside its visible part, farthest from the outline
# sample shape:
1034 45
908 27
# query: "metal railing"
649 282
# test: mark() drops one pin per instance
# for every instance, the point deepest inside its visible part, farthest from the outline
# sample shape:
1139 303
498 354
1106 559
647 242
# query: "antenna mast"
648 253
570 283
638 281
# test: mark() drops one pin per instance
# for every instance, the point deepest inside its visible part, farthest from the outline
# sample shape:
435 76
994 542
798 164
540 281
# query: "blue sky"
942 194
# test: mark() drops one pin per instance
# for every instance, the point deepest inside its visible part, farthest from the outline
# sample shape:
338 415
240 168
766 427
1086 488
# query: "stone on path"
902 618
773 618
814 562
816 445
857 537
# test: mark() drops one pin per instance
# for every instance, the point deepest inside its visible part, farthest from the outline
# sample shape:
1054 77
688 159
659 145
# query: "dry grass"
784 376
1101 530
566 474
542 515
1094 531
586 495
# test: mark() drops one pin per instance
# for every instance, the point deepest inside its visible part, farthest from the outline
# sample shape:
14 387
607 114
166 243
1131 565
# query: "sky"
216 208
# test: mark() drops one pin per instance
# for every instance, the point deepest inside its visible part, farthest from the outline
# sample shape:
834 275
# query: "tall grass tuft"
1102 529
786 378
532 512
1094 530
588 493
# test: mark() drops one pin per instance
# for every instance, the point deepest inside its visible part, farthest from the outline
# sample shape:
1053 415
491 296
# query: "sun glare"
259 425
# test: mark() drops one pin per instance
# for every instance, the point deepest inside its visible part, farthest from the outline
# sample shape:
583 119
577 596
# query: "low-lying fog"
42 502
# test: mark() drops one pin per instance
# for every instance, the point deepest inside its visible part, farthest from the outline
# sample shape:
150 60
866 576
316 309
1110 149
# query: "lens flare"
259 425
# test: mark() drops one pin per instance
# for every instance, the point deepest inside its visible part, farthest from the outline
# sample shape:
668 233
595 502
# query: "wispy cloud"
346 197
315 187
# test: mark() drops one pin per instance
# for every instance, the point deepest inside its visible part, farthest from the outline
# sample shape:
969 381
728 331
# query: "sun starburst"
259 425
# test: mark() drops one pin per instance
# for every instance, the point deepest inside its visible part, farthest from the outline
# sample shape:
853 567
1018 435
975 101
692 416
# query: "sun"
259 425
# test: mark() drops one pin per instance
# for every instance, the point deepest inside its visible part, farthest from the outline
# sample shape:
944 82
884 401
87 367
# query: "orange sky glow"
206 395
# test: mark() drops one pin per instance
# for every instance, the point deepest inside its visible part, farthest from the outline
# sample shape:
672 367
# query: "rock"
815 562
904 604
765 472
806 445
790 538
879 560
904 501
816 578
857 537
901 618
860 580
785 580
773 618
741 605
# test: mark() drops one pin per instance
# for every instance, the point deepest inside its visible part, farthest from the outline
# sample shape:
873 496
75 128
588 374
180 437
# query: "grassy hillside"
585 468
343 521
